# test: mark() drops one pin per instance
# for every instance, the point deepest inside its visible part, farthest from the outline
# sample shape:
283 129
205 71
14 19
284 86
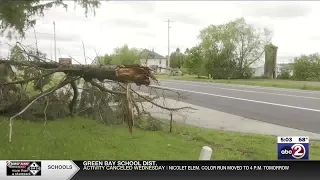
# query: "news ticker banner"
65 170
289 148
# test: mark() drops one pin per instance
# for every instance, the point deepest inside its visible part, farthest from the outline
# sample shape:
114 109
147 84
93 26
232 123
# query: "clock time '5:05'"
286 139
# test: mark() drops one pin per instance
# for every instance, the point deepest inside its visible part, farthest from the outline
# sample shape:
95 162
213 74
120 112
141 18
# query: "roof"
286 65
152 54
282 65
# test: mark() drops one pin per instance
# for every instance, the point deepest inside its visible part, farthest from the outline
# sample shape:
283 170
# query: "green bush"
260 77
149 124
284 74
307 67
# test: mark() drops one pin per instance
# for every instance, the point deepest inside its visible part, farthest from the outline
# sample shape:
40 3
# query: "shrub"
149 124
284 74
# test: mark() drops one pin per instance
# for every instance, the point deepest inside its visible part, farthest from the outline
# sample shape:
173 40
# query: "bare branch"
137 107
59 52
42 59
32 101
45 110
130 116
27 80
84 53
15 107
160 106
35 36
105 89
74 59
73 103
97 55
90 101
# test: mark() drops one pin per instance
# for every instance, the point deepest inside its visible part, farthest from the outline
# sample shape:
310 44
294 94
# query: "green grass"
55 81
304 85
86 139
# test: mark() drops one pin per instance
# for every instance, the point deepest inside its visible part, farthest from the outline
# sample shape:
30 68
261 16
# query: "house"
285 66
154 61
66 61
259 71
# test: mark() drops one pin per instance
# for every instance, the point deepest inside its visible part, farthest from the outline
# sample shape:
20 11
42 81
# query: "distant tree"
250 43
307 67
145 55
106 59
176 59
230 49
122 55
194 61
125 55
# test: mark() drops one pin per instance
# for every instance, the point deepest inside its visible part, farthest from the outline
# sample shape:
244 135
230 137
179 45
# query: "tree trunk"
121 73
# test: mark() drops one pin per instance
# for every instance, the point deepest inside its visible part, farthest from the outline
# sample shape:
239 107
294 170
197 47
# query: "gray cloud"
173 48
65 48
145 7
146 34
285 59
49 37
275 9
184 18
126 23
64 16
314 38
60 14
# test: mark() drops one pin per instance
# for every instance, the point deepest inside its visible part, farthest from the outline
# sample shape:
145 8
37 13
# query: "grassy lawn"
86 139
305 85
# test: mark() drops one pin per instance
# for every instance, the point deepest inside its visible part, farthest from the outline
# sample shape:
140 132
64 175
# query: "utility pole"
168 21
50 50
55 45
35 36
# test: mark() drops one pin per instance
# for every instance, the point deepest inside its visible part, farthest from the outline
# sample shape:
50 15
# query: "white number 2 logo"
298 151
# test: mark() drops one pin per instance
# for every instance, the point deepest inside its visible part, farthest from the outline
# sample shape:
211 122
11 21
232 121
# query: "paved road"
297 109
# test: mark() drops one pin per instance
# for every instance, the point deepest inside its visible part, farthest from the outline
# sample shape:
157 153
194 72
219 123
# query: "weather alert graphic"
293 147
23 168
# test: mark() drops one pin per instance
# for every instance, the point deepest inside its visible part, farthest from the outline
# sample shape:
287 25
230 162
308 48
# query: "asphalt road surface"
297 109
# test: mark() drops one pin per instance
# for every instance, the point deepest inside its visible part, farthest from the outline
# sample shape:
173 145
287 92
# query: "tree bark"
137 74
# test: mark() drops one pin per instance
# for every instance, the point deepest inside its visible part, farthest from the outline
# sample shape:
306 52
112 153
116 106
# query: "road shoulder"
208 118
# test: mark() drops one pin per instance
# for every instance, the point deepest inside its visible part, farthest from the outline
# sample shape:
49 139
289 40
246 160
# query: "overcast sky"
141 24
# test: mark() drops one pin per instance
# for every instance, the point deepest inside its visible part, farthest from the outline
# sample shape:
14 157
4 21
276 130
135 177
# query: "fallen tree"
95 99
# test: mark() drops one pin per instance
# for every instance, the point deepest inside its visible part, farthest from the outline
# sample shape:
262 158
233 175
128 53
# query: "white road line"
248 86
241 90
241 99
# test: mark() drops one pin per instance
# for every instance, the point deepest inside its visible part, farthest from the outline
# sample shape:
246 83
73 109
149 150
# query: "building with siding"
259 71
154 61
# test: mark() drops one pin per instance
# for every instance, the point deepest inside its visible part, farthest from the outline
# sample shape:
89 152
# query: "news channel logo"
293 148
